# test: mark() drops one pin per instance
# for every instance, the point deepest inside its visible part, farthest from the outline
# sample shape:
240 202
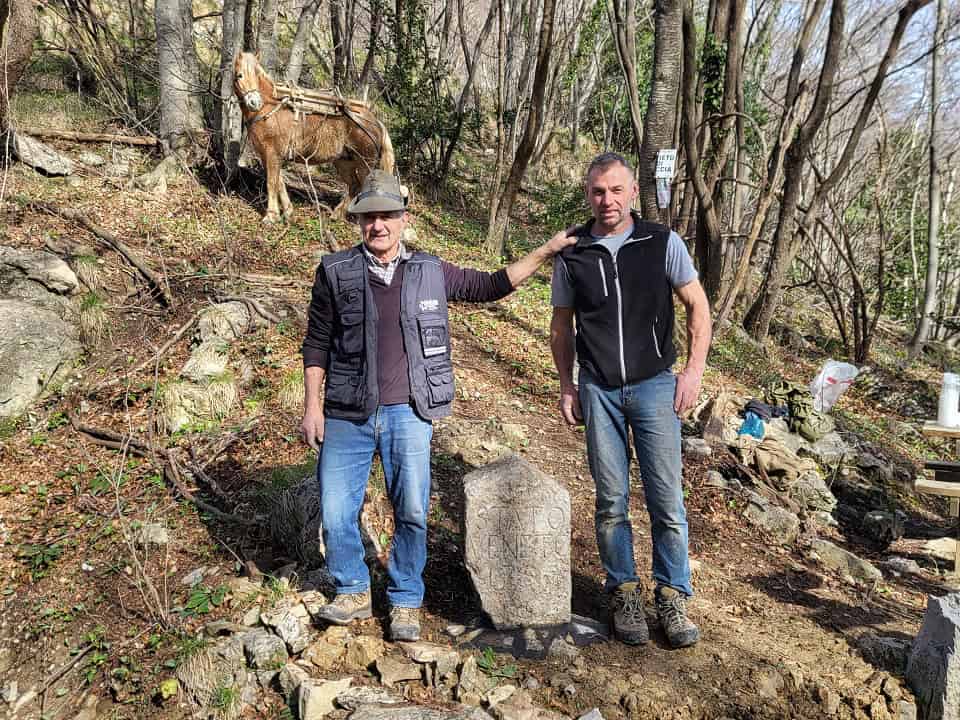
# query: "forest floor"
779 633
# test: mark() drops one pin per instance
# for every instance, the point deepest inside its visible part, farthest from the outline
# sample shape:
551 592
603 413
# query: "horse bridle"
264 116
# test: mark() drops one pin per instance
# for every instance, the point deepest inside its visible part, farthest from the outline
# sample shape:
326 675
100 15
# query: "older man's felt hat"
380 192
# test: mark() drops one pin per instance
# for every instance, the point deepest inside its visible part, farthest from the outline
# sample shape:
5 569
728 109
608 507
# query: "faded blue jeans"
646 408
403 440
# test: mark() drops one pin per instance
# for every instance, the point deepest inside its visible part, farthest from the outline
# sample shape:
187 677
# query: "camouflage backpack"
803 420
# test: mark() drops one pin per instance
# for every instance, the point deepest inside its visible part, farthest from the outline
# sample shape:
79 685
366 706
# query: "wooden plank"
942 465
955 509
936 487
932 429
943 476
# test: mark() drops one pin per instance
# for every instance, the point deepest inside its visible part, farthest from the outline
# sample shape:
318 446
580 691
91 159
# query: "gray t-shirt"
680 269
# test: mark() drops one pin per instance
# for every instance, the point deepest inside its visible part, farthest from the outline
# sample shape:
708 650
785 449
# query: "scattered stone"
520 706
517 522
227 321
473 684
218 667
251 617
37 349
829 700
264 651
40 156
38 266
324 654
290 677
902 566
907 710
851 568
824 519
242 588
315 699
499 694
91 159
444 659
944 548
810 491
363 651
933 670
193 577
878 710
830 450
715 479
157 180
354 697
594 714
531 683
515 434
152 534
769 683
697 447
415 712
393 671
10 692
455 631
889 653
781 524
290 629
560 649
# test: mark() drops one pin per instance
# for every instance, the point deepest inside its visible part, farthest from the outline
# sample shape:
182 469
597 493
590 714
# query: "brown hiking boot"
346 608
672 611
629 622
404 624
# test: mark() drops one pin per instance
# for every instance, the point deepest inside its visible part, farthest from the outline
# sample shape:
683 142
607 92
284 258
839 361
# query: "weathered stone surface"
811 492
499 694
37 347
362 651
889 653
830 450
933 670
415 712
264 651
594 714
782 524
40 156
152 534
517 532
38 266
520 706
444 659
354 697
289 628
227 321
697 447
851 568
473 684
291 677
393 671
883 527
902 566
315 699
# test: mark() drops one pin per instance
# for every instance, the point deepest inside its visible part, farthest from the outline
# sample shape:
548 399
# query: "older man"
378 342
618 282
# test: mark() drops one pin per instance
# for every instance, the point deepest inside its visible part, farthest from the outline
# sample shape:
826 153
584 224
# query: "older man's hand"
688 390
561 240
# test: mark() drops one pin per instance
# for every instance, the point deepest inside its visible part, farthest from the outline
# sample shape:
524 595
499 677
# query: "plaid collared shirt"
385 270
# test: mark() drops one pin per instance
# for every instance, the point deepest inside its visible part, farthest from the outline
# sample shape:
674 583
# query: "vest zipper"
603 275
623 362
656 343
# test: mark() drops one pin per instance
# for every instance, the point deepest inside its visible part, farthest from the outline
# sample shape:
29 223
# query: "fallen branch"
255 307
111 241
95 137
65 669
172 472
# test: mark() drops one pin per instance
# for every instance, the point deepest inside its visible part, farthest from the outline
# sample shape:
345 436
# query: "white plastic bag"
834 377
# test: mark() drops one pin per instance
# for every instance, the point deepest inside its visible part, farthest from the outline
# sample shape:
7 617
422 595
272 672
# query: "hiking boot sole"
335 619
405 634
687 639
637 637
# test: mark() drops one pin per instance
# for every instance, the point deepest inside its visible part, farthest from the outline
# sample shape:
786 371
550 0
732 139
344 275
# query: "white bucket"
948 414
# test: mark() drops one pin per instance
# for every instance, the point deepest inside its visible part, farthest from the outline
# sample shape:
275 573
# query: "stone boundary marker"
933 670
517 536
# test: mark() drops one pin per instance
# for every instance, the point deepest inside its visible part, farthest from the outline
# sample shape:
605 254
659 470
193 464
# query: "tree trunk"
934 192
228 118
267 36
376 17
18 29
180 115
496 234
305 23
623 23
660 122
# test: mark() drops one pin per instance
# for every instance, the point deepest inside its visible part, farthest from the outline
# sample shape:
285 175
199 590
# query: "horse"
353 139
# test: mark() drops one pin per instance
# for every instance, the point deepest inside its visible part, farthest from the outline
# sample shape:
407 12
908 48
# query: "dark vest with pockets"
352 391
624 310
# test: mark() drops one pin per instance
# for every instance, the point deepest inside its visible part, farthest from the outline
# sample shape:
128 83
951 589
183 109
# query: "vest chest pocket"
440 386
351 339
433 335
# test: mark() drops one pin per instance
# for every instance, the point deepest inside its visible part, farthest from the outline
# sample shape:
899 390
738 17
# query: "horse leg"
271 162
347 172
285 204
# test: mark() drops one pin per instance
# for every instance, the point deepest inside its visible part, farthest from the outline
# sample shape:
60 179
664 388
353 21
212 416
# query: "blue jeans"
403 440
646 408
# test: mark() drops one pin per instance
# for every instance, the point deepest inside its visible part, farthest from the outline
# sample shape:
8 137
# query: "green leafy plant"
39 558
487 662
203 599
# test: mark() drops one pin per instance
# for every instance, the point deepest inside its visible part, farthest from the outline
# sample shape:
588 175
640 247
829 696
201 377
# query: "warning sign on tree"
666 163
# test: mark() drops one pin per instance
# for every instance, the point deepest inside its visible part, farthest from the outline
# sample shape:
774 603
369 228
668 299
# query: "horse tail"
387 158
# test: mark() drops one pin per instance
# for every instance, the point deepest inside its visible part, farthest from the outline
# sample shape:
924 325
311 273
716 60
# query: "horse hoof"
269 219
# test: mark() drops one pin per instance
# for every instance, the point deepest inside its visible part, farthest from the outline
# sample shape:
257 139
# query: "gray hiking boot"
629 621
346 608
672 611
404 624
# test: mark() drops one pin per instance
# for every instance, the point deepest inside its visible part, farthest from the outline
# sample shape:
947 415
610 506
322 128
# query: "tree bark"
180 115
267 36
305 23
18 29
660 123
623 23
228 120
496 234
934 192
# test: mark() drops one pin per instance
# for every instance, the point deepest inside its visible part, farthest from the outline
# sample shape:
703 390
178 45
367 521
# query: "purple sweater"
463 284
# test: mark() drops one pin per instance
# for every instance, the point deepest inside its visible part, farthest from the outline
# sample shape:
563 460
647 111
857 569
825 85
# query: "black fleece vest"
623 310
352 391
